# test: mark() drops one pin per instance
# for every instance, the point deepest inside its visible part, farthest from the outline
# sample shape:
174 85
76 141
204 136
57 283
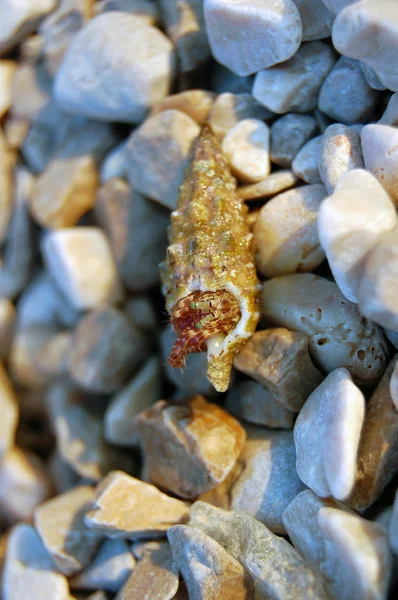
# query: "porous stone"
273 184
126 507
279 360
157 155
128 63
21 19
317 20
7 326
338 335
285 232
294 85
305 164
31 91
326 436
9 413
137 229
114 164
144 9
380 155
87 283
7 71
246 148
194 462
390 115
60 525
143 390
251 402
6 195
340 152
288 136
208 570
196 104
228 109
345 95
247 36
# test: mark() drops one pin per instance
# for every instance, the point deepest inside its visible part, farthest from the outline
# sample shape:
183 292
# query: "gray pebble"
305 164
317 20
371 77
288 136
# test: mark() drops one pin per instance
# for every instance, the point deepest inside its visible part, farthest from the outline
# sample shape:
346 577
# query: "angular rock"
228 109
273 184
340 152
295 84
253 403
316 19
380 155
9 413
246 148
305 164
60 525
126 507
157 155
114 164
19 20
285 232
194 462
7 326
279 360
129 65
7 71
144 9
338 336
288 136
196 104
246 36
390 115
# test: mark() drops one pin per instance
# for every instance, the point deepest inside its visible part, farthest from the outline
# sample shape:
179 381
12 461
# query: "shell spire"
209 279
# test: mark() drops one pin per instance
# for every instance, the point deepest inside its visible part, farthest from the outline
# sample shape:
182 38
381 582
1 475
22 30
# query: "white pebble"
246 148
380 154
340 152
305 164
19 19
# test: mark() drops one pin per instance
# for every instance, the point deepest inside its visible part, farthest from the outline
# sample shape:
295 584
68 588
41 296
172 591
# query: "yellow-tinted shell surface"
210 251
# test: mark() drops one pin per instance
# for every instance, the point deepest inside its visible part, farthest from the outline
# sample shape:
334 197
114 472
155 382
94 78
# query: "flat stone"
340 152
29 571
208 570
6 196
393 527
338 335
157 155
272 185
253 403
326 436
380 155
136 228
9 413
377 459
7 326
276 567
295 84
345 95
305 164
87 283
126 507
288 135
31 91
19 20
228 109
60 525
279 360
390 115
317 20
285 232
120 52
114 164
248 36
143 390
196 104
109 570
246 148
194 463
269 481
348 235
7 71
144 9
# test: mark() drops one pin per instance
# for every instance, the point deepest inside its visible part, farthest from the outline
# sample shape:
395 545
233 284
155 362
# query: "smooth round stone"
288 136
273 184
390 115
380 154
317 20
249 35
345 95
115 69
295 84
340 152
305 165
246 148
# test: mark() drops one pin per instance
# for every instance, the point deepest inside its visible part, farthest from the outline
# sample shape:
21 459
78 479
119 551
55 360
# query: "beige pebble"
31 90
285 232
338 335
15 131
340 152
194 103
246 148
7 71
52 357
7 326
380 155
9 413
288 134
126 507
228 109
279 360
26 343
273 184
305 164
60 525
86 283
19 20
6 186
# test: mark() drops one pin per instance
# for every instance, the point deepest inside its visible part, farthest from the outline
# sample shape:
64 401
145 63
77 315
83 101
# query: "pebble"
203 442
52 357
345 95
253 403
273 184
228 109
223 81
316 19
87 283
269 481
340 152
9 413
377 459
15 131
276 567
377 24
326 436
136 228
126 507
114 165
22 363
371 77
305 164
294 85
390 115
285 232
288 135
379 147
7 72
221 495
157 155
60 525
393 528
6 189
348 235
19 20
335 6
394 386
117 53
109 570
143 390
63 476
196 104
338 335
29 571
144 9
31 91
208 570
7 326
279 360
246 148
141 311
247 37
